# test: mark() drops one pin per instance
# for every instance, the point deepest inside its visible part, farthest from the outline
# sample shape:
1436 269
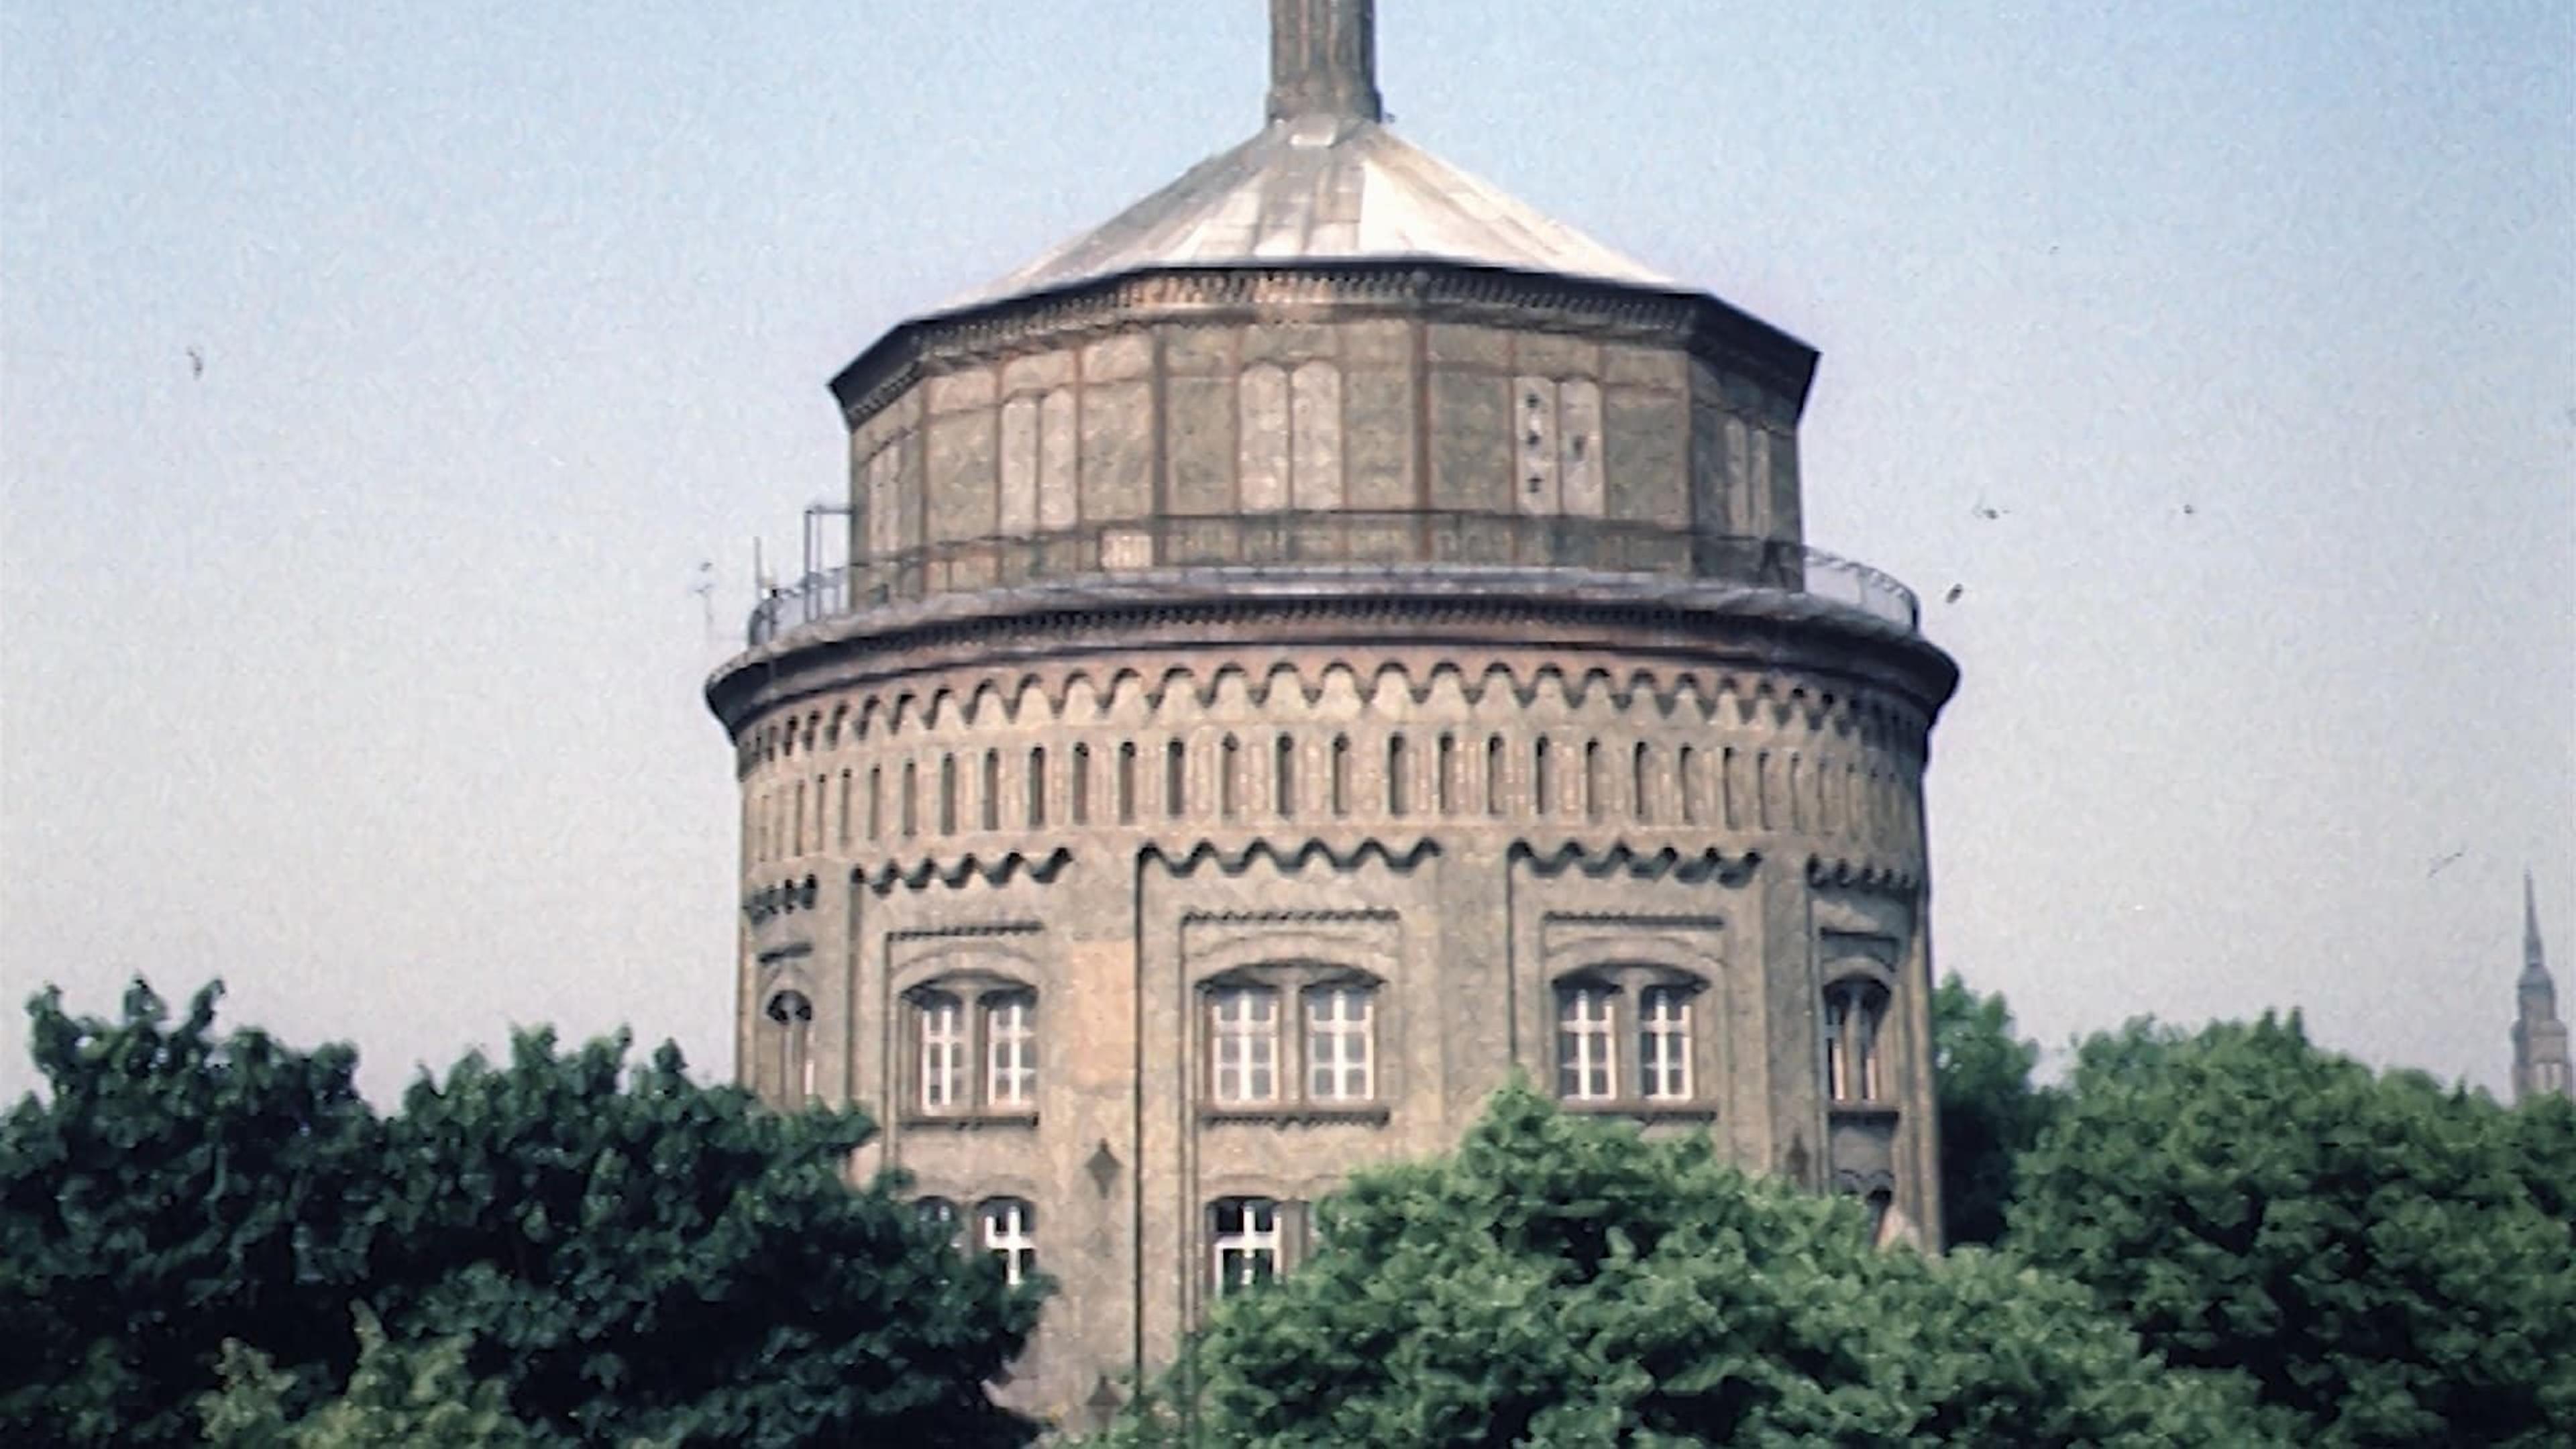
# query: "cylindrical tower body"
1276 698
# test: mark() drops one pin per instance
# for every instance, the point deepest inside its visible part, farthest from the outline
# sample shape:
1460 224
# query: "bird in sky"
1987 510
2444 861
196 363
1956 590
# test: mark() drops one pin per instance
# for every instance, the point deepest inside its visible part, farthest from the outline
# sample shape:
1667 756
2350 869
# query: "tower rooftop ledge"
1347 559
1149 554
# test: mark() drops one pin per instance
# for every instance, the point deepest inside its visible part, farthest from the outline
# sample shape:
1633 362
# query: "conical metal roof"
1323 187
1324 181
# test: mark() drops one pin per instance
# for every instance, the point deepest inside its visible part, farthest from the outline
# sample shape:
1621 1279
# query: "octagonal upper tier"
1321 349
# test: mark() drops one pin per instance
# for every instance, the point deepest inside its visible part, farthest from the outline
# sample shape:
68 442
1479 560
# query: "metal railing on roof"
1383 543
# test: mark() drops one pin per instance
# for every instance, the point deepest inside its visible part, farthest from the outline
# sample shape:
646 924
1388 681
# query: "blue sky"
362 670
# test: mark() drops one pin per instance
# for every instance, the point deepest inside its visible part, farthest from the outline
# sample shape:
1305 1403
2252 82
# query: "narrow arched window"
1340 1065
1686 783
1341 780
791 1026
1854 1012
1396 784
1493 774
1283 774
845 810
1126 787
876 802
1587 1043
1175 780
1037 815
1077 788
1243 1044
1445 784
1664 1044
1542 778
1011 1050
1229 762
941 1019
1640 791
990 790
1594 786
911 799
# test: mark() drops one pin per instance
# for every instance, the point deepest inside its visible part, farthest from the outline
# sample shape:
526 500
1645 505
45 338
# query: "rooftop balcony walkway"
1342 542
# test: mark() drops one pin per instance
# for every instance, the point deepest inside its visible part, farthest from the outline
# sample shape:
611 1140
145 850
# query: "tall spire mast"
1323 60
2534 964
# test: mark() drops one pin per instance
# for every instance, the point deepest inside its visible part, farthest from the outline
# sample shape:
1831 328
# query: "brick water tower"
1320 643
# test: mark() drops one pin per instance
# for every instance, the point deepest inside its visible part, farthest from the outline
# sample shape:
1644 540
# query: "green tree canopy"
174 1190
627 1255
2390 1260
1560 1281
1990 1112
638 1256
419 1395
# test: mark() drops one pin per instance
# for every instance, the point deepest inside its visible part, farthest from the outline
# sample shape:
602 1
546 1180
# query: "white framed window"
1586 1043
942 1018
1010 1049
1854 1011
1243 1242
1338 1065
1292 1037
1243 1041
1663 1044
1006 1228
973 1047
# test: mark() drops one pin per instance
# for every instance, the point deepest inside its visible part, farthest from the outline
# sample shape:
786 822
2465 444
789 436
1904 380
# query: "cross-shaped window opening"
1008 1231
1243 1234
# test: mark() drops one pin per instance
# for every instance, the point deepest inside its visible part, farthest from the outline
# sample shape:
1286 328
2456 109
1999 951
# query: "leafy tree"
174 1190
626 1254
1990 1112
2389 1260
419 1395
638 1256
1561 1281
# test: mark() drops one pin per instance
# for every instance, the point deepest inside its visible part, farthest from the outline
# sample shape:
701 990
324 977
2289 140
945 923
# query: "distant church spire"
1323 60
2534 964
2540 1064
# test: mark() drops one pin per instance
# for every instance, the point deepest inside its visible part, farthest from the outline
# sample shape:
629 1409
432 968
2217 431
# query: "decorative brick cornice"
1868 876
1370 916
1674 629
1620 858
1442 291
1294 856
1041 870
